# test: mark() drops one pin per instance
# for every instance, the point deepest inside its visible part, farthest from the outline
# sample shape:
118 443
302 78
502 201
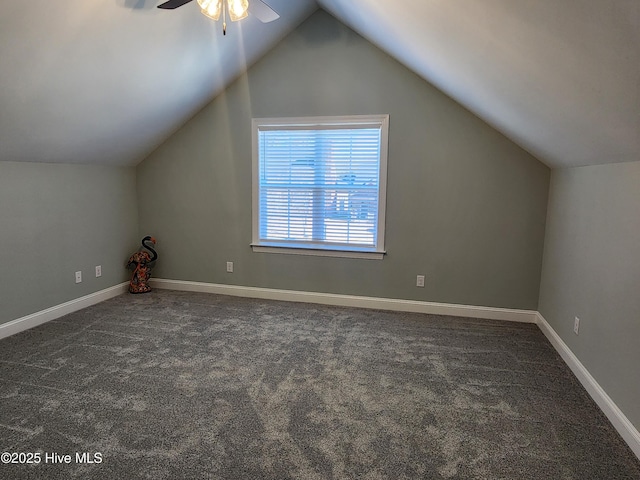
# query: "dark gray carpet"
183 385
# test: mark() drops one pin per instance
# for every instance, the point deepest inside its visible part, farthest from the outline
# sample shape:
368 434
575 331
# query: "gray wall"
55 220
591 270
466 206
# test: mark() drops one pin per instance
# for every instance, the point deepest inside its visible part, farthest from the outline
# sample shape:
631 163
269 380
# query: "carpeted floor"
173 385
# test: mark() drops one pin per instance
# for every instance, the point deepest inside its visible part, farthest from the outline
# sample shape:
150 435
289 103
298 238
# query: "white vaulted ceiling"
107 81
560 78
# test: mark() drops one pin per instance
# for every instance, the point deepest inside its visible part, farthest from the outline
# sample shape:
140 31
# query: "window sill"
318 252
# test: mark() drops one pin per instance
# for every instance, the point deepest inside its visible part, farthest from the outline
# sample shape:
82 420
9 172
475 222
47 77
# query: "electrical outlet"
229 267
420 281
98 271
576 326
78 277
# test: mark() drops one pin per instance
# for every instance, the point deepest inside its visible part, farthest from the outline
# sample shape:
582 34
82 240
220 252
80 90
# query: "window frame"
326 122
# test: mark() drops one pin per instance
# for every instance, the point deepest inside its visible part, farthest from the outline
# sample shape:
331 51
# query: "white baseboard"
620 422
487 313
43 316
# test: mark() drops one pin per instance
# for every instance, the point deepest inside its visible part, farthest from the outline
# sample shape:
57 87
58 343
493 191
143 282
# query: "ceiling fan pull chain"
224 17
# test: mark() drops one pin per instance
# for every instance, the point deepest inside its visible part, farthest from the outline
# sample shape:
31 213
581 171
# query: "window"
319 185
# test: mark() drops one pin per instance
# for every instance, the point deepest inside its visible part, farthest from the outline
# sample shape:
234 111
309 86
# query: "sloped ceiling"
106 81
560 78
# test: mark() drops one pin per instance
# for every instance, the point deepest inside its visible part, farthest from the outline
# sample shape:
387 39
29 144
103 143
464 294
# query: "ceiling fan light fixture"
238 9
211 8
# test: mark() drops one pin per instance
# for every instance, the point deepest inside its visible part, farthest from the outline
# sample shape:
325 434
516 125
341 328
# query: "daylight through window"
320 183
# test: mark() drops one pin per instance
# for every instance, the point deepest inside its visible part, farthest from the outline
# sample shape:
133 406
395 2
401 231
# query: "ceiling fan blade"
262 11
171 4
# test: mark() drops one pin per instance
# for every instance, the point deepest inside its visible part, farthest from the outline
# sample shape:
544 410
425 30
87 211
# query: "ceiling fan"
237 9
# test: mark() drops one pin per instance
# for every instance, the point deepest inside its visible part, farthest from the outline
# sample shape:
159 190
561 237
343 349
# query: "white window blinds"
320 183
